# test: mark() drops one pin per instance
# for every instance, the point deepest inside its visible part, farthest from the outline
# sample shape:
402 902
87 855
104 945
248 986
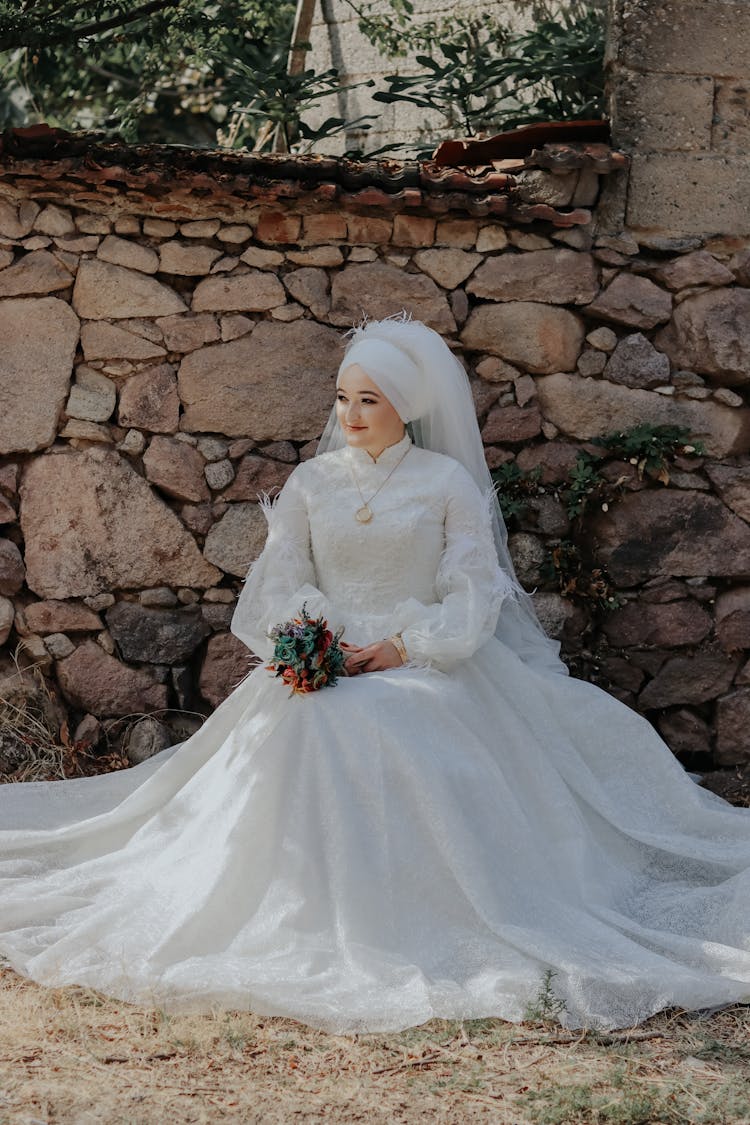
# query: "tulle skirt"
409 844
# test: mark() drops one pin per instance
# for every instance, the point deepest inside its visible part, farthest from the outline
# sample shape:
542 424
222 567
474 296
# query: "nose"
352 413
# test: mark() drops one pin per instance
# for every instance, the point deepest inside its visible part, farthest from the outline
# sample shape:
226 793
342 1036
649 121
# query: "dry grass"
35 738
73 1057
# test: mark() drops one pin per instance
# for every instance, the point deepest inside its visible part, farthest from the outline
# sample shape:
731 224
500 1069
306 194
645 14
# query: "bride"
454 824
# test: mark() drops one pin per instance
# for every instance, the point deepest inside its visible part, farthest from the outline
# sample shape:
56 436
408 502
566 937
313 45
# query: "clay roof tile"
478 181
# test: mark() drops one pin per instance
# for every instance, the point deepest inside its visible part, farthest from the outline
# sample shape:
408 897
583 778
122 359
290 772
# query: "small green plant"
726 1105
585 484
546 1007
717 1051
651 448
556 70
461 78
583 1105
568 567
263 89
514 488
237 1036
481 77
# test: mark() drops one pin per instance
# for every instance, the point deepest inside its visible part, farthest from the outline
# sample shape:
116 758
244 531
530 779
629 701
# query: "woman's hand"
371 658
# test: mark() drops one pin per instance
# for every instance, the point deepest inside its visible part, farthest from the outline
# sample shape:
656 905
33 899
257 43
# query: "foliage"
586 484
264 90
44 24
556 70
513 487
651 448
461 78
545 1007
568 565
161 76
390 31
579 1104
214 71
481 78
35 743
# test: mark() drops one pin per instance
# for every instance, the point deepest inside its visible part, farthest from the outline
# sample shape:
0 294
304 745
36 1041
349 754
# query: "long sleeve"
470 585
282 577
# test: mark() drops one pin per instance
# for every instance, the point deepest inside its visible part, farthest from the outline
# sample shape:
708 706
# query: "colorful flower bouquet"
306 654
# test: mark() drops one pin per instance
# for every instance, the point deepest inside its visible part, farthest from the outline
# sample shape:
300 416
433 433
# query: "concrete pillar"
679 90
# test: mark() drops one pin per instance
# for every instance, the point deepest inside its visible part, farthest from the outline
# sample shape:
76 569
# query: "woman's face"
368 419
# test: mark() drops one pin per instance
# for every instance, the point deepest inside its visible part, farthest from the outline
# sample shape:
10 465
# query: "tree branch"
85 30
126 17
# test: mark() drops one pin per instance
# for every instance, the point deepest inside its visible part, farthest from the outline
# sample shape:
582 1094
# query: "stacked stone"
159 374
679 74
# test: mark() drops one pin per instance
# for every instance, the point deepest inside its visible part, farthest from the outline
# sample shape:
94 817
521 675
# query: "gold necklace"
364 514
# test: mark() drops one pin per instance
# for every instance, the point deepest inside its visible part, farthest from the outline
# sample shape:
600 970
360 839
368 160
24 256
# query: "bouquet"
306 654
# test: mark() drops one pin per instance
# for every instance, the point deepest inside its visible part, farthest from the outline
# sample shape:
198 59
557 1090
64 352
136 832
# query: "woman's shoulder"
314 471
437 462
315 467
447 470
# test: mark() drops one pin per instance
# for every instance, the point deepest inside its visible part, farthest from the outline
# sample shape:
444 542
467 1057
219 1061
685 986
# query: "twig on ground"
409 1064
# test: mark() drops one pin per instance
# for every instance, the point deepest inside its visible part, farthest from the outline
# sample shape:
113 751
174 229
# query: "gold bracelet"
400 648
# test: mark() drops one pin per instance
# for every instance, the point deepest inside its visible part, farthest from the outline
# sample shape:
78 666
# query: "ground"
72 1057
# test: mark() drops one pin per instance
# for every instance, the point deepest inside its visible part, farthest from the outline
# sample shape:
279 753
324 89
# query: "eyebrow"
372 394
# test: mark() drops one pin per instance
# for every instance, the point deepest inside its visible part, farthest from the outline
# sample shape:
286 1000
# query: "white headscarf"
399 378
417 372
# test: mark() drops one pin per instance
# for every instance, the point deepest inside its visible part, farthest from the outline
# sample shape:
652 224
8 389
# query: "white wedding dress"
428 841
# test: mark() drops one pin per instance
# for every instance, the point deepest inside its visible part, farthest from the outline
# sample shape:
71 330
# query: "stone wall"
158 373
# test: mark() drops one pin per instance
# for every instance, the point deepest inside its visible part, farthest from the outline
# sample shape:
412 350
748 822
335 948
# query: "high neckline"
387 459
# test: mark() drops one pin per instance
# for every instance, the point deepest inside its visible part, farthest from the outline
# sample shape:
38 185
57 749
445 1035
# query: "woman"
453 825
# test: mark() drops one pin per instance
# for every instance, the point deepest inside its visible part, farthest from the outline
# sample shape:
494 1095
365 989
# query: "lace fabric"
429 841
426 566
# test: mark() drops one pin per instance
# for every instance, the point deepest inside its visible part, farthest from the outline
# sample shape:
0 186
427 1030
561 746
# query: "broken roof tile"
520 142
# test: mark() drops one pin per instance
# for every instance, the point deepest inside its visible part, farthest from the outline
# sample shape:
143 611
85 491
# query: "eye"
370 401
341 397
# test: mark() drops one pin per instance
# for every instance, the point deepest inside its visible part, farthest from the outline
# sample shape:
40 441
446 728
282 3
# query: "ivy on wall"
570 564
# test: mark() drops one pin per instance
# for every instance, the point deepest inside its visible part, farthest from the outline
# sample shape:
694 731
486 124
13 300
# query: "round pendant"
363 514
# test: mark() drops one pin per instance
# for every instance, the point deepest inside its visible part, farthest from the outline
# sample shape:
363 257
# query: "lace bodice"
425 565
